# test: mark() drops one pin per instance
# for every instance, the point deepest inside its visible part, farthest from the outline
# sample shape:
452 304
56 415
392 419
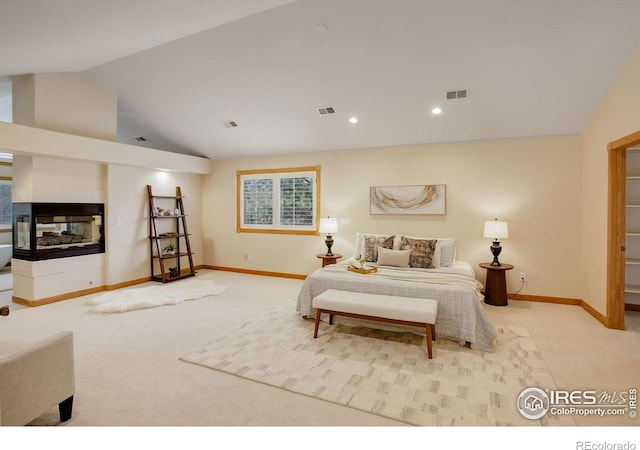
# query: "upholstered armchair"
34 377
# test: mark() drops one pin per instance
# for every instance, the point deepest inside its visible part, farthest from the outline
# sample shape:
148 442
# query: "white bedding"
460 312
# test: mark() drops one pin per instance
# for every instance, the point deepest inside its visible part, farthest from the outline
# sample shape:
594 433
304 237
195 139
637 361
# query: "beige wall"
66 102
63 152
531 183
23 101
128 217
77 168
123 189
617 116
39 179
26 140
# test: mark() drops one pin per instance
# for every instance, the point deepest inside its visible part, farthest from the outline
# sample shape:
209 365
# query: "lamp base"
329 243
495 250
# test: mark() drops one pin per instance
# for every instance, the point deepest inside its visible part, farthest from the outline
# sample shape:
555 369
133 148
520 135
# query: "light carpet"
385 373
153 296
6 281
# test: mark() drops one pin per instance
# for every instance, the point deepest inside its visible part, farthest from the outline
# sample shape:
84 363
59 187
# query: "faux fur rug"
153 296
385 373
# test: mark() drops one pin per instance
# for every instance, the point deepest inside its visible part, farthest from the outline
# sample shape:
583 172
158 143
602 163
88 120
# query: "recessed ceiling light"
353 120
436 111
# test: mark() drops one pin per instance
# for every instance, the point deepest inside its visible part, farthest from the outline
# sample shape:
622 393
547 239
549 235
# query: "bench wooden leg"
315 332
429 339
65 408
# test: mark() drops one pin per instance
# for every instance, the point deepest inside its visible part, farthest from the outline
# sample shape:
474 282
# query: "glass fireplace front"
57 230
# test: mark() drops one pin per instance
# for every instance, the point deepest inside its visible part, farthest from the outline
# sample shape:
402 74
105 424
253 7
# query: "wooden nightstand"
495 288
326 260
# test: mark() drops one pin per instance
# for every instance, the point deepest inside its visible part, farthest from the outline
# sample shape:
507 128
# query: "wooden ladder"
168 237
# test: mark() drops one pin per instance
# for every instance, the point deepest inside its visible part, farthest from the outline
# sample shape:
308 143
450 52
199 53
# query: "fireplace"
57 230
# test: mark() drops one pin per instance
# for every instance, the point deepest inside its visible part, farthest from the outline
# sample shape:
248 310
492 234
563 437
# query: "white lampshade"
328 225
496 229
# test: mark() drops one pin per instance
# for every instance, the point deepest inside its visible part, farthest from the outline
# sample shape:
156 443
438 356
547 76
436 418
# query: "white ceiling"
182 67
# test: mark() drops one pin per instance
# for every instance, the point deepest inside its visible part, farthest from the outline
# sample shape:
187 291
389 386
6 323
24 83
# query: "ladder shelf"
169 246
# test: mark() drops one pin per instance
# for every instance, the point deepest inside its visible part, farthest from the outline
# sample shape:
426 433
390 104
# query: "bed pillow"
360 237
371 244
445 250
422 251
396 258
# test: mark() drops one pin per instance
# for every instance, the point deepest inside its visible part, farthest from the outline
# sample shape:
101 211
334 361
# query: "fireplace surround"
57 230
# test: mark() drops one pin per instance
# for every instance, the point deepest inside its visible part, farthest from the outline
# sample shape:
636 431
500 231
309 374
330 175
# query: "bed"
450 282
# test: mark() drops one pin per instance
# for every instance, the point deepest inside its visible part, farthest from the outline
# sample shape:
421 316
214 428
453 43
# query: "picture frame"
427 199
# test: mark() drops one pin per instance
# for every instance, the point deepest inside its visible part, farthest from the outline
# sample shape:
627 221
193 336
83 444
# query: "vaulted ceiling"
182 68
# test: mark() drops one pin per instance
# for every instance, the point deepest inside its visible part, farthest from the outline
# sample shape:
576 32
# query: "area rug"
385 373
153 296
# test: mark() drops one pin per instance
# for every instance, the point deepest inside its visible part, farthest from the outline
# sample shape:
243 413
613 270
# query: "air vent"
140 138
326 110
230 124
460 93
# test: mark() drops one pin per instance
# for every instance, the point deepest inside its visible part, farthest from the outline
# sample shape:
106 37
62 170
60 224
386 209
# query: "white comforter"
460 312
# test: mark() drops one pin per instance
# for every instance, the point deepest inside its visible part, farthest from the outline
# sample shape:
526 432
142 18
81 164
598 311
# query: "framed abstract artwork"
415 199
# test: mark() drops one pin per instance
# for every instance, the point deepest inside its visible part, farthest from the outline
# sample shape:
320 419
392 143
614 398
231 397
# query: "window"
5 204
278 200
6 169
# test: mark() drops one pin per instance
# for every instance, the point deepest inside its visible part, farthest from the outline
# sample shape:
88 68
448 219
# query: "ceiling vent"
460 93
140 138
326 110
230 124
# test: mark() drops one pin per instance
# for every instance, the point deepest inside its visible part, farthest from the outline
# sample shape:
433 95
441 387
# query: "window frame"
276 175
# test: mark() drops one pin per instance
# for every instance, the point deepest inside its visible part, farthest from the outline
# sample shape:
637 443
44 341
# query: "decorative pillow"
445 250
360 238
371 244
422 251
397 258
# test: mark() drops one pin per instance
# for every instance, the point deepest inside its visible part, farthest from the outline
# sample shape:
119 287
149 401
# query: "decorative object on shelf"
173 271
328 225
496 229
169 249
420 199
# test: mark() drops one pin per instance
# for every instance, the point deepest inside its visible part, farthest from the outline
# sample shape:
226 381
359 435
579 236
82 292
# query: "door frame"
616 229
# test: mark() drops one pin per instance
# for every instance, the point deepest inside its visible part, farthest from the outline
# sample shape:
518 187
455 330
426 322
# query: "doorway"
616 234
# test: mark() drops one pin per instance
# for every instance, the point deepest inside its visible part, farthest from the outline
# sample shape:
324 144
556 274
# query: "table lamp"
495 229
329 225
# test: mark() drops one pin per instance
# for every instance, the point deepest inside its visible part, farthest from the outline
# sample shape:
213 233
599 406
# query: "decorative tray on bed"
363 270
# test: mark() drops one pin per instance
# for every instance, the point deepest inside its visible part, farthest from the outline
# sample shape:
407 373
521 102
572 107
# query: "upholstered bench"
36 376
417 312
